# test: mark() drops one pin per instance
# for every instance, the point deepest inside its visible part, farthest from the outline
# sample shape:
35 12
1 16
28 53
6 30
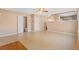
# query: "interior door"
20 24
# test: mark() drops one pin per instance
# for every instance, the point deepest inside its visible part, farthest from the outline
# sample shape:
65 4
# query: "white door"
20 24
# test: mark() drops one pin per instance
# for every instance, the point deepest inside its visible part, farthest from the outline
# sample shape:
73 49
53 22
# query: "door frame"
17 25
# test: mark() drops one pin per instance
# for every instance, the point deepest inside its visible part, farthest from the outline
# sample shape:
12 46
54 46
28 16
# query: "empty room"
39 28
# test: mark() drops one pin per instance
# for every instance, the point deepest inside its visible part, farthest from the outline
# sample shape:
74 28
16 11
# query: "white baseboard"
7 34
62 32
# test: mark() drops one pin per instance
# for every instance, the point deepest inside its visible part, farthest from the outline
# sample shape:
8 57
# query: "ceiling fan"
41 10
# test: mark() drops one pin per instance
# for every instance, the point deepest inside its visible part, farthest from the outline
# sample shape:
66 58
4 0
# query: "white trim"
63 32
7 34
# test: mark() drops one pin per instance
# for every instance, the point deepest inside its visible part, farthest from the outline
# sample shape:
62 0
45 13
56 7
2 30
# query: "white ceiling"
50 10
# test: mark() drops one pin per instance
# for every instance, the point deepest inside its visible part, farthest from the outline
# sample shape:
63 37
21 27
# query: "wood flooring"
40 41
13 46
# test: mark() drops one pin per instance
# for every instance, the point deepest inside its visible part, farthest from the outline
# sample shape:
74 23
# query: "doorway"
25 23
22 24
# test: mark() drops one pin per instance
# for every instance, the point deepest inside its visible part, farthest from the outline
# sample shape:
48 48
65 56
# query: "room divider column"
37 23
29 23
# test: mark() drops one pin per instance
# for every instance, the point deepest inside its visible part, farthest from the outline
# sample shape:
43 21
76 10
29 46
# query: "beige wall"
8 21
8 24
63 26
78 24
78 20
60 26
